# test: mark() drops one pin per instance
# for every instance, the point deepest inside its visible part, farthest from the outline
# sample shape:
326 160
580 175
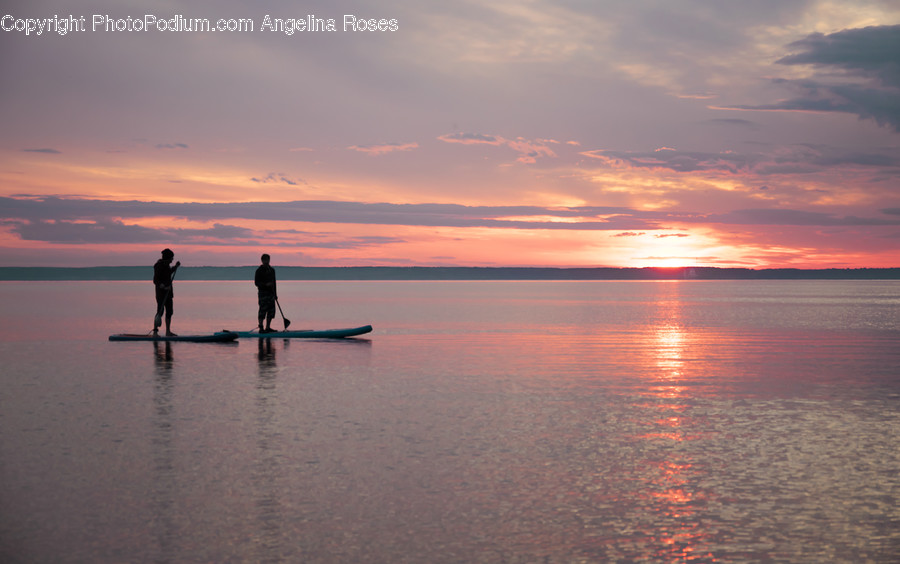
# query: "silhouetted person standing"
265 284
163 272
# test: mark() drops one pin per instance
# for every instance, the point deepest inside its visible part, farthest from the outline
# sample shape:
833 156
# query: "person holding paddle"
163 275
265 285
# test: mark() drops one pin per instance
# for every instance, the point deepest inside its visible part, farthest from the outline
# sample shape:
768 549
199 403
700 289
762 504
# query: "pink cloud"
529 150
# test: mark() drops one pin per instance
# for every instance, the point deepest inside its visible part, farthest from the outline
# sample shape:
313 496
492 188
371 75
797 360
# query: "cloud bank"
79 221
856 71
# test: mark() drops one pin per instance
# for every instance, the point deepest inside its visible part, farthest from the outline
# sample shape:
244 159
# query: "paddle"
287 321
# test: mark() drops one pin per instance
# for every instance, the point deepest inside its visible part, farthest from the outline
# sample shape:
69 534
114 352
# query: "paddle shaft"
283 318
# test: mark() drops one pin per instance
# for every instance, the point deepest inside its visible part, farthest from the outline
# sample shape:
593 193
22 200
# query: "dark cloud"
45 151
732 121
879 104
115 231
278 177
65 231
217 231
471 138
172 146
858 73
383 148
794 217
444 215
825 156
872 51
796 159
77 220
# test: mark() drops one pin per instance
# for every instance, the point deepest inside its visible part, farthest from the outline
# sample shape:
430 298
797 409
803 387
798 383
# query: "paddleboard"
306 333
222 337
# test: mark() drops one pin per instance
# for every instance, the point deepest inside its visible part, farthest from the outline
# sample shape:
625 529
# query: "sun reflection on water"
669 348
665 408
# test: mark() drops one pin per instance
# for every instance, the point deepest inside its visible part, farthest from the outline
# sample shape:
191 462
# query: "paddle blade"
287 323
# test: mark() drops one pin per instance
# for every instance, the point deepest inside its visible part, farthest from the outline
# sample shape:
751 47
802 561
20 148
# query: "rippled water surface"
479 422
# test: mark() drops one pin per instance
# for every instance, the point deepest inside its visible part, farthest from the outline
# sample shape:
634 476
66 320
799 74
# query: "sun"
678 247
669 262
668 249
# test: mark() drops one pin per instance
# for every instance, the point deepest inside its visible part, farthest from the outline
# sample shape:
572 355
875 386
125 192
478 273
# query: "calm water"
480 422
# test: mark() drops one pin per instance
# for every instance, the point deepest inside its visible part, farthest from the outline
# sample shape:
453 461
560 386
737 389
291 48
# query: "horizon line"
435 273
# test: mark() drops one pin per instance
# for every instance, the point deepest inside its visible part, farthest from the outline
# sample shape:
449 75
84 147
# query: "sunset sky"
504 133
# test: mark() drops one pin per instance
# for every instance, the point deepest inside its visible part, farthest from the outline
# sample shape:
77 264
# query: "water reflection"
666 393
674 494
267 471
162 354
669 350
164 488
640 430
266 357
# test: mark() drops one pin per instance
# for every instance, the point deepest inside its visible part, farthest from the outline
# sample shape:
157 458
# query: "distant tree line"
451 273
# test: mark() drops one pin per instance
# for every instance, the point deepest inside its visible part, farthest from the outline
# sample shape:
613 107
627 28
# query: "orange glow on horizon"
147 174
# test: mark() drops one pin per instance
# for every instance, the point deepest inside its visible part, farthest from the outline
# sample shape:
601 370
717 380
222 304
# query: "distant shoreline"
125 273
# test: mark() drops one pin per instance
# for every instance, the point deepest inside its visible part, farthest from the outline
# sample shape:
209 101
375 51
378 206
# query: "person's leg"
170 306
160 308
266 312
261 315
270 315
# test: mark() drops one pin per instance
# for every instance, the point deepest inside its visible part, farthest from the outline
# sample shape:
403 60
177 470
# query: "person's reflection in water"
164 488
266 357
267 472
164 360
